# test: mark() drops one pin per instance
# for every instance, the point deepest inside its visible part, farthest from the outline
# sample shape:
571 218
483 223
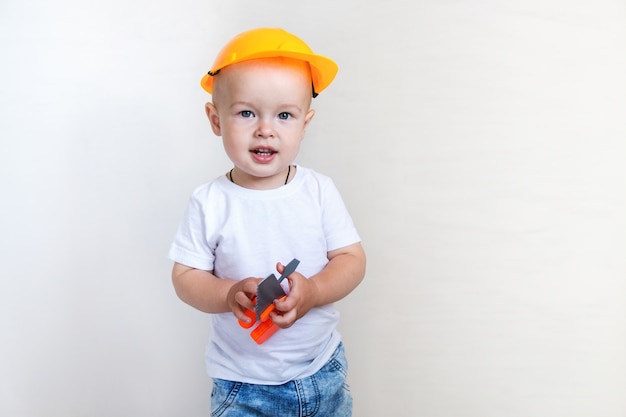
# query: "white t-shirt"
238 233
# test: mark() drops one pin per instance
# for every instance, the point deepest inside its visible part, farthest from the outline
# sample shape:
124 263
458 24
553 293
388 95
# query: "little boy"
265 211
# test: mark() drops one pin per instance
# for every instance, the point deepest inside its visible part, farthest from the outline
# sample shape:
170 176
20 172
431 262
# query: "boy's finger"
284 304
284 320
243 300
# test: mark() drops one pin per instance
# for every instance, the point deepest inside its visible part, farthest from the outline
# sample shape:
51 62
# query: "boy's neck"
261 183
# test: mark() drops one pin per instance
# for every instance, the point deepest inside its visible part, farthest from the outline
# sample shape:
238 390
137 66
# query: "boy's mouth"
263 151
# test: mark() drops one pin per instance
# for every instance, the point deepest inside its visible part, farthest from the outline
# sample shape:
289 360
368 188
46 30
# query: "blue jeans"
324 393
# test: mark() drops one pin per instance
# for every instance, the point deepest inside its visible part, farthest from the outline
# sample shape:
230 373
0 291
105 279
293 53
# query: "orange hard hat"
272 43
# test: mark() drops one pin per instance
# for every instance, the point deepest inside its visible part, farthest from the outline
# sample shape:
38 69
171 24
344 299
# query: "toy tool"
267 291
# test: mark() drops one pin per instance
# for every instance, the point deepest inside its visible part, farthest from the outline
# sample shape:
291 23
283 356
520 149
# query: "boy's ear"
308 117
214 118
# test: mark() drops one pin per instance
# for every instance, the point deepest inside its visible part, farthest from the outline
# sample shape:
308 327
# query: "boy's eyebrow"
240 103
280 106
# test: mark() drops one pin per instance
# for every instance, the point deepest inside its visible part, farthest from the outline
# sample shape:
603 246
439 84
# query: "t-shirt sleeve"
190 246
338 225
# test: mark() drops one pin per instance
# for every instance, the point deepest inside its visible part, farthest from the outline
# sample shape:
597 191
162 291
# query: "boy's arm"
343 273
210 294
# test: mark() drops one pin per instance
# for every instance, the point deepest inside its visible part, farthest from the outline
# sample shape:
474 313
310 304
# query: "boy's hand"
302 298
240 297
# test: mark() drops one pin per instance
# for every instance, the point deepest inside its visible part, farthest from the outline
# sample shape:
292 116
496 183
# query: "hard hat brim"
323 69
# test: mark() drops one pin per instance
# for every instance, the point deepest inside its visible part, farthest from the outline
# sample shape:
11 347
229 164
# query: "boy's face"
261 109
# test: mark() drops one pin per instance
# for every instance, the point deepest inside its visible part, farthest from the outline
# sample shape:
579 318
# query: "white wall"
480 146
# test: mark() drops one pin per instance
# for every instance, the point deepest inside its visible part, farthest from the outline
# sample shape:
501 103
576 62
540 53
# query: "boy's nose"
264 130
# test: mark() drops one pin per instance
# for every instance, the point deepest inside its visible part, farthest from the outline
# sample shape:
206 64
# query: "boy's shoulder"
311 173
216 183
309 178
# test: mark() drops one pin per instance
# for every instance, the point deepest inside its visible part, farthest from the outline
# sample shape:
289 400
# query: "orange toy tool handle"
266 328
263 331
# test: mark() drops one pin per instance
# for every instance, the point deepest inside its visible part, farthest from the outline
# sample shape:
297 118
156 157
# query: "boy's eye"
284 115
246 113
